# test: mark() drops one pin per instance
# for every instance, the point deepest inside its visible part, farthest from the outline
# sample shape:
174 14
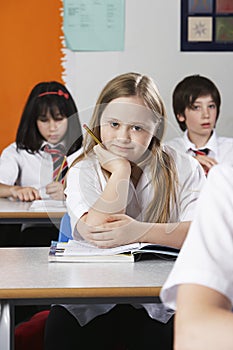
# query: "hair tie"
59 93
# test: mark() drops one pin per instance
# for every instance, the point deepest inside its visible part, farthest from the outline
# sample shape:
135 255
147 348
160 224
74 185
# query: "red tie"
201 152
60 165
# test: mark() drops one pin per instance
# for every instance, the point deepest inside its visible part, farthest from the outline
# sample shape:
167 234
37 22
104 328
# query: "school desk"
26 277
19 212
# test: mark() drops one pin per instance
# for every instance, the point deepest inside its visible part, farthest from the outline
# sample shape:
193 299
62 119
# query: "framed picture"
206 25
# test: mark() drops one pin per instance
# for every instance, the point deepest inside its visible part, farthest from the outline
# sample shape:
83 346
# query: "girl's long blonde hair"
163 170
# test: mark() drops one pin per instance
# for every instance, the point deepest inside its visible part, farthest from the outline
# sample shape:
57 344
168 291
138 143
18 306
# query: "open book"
81 251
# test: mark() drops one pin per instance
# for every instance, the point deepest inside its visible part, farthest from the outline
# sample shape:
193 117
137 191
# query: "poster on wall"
206 25
94 25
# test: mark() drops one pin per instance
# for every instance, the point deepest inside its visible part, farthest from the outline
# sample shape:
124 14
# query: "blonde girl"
129 189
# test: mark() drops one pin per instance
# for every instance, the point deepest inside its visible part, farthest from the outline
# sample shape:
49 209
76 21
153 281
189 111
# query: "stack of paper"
48 205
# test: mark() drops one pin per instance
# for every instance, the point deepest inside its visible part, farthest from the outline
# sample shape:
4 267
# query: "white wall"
152 47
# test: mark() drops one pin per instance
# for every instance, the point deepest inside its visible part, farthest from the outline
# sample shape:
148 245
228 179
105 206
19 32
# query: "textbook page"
45 205
74 247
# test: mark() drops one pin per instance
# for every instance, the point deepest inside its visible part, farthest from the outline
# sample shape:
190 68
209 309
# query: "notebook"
81 251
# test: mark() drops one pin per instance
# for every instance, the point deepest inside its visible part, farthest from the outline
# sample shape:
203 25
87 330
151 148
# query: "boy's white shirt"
206 255
85 183
220 147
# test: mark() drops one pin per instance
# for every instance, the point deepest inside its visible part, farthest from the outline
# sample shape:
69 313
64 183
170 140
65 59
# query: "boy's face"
200 119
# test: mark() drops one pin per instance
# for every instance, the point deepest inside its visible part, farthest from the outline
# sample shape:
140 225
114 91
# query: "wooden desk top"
10 210
26 273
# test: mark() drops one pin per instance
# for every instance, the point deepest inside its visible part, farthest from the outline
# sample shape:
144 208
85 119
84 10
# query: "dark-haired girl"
49 127
50 118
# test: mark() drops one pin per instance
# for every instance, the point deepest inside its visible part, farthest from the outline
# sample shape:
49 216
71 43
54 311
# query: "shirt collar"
211 144
52 145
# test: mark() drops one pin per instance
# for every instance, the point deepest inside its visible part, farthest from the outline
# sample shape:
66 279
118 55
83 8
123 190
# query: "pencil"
93 135
60 170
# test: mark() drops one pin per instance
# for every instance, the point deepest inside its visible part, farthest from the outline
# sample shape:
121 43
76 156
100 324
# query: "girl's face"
52 129
127 127
201 118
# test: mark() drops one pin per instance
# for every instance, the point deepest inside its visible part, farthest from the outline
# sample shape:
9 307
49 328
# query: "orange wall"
30 53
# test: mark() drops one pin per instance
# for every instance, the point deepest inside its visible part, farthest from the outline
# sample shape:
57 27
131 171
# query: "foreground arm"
204 319
122 229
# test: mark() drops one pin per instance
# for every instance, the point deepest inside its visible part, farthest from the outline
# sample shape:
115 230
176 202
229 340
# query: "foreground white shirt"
206 257
86 182
220 148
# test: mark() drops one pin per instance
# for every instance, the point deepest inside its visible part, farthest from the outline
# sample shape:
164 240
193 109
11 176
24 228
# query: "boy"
196 105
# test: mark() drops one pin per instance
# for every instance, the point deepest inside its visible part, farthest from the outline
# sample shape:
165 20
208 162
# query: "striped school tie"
60 165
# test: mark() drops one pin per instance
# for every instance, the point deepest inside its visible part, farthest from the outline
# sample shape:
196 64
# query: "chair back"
65 232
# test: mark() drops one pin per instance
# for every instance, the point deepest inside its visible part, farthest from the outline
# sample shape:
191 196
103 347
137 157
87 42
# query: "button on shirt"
86 182
220 148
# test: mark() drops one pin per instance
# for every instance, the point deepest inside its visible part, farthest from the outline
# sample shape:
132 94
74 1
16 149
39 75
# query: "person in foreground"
196 105
200 286
127 189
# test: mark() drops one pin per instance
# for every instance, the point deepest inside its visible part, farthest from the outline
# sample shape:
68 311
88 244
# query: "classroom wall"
152 46
30 53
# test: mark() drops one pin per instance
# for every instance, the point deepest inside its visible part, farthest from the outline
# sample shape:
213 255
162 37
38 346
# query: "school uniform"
206 255
18 167
25 169
220 148
86 182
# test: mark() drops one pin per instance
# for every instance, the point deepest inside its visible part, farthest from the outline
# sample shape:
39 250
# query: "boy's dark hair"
188 90
48 96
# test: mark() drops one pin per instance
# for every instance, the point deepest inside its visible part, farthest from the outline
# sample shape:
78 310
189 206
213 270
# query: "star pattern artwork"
206 25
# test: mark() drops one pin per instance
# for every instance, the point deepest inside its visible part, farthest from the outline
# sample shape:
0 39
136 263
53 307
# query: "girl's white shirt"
25 169
86 182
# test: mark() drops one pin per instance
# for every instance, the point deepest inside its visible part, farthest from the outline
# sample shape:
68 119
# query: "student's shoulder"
188 169
86 161
181 159
20 155
176 142
74 155
10 149
223 140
